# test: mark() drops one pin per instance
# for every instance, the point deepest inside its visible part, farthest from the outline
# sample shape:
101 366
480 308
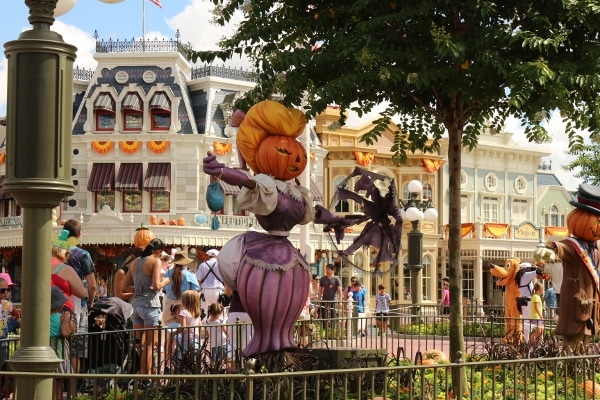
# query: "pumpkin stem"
141 227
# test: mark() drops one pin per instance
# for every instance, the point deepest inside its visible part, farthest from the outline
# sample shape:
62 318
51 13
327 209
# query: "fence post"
458 370
250 363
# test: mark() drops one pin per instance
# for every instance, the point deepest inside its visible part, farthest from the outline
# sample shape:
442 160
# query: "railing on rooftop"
140 46
223 72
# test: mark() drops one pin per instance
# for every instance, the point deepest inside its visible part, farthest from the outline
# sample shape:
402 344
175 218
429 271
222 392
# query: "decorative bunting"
130 146
222 148
364 158
158 146
432 165
102 147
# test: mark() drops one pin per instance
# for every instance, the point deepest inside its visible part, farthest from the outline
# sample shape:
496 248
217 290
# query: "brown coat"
579 298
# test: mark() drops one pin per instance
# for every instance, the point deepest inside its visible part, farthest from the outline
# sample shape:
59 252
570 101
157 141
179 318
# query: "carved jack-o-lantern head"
584 221
283 157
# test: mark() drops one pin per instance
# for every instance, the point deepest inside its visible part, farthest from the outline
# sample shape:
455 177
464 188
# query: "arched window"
342 206
160 112
132 110
104 112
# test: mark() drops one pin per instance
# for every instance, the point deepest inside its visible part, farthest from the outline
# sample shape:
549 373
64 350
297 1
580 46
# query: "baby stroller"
111 347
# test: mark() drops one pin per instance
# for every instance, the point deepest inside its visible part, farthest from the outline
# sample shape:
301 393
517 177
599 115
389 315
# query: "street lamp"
416 210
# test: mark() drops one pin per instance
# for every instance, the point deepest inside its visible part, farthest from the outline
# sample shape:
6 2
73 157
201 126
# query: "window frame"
127 113
153 207
100 193
125 203
491 182
99 114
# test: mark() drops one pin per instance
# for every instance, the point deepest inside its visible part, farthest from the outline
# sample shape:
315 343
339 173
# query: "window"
158 183
102 183
132 201
129 182
427 277
427 192
520 210
160 201
132 112
341 205
160 112
491 182
237 210
105 198
490 207
104 111
465 214
463 179
520 185
554 216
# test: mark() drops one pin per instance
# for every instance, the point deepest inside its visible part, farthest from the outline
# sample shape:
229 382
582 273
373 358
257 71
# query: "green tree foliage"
443 66
586 164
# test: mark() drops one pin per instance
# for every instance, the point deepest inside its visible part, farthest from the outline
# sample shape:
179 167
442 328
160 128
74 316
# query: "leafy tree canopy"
586 164
438 64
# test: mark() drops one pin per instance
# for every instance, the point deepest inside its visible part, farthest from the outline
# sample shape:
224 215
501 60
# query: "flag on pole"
157 2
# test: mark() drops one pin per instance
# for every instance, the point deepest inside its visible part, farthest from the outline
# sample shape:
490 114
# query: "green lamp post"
416 210
38 172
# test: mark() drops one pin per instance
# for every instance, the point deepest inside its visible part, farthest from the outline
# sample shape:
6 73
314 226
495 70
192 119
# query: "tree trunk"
457 343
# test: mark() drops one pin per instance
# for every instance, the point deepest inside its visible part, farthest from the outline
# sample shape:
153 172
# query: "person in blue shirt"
550 301
181 280
358 296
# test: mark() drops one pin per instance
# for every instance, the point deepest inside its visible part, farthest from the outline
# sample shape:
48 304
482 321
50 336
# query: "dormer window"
133 116
160 112
104 111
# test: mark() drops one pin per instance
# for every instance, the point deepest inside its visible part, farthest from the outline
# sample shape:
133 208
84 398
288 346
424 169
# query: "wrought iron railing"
140 46
223 72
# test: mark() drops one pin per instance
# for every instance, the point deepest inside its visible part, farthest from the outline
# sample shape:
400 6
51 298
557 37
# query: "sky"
142 18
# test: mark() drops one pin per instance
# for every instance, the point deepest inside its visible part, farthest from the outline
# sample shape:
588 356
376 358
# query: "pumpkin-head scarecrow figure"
579 307
267 274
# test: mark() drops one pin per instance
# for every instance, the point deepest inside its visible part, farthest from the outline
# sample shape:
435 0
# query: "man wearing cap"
210 280
580 292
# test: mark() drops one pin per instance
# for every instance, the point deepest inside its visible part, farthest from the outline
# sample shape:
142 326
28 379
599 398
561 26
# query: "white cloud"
195 27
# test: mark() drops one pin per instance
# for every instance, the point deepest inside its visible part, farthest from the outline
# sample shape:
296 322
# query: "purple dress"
266 269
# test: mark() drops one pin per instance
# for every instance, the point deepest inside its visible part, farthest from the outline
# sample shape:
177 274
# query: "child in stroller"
111 347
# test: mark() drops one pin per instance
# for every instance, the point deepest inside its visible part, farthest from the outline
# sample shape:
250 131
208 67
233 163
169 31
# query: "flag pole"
143 21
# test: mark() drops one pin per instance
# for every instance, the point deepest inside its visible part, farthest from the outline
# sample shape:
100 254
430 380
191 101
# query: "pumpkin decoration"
584 224
282 157
180 221
162 221
172 222
264 119
153 220
2 158
592 389
142 236
433 357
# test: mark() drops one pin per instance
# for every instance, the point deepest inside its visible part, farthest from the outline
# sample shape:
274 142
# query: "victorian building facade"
143 121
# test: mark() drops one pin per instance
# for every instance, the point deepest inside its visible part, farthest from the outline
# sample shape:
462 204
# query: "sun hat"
446 279
181 258
57 298
212 253
6 277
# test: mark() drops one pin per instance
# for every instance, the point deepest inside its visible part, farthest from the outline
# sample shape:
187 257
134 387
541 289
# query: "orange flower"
158 146
130 146
102 147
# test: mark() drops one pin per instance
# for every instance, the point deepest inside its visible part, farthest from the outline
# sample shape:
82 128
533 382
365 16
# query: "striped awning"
104 102
102 177
160 101
132 102
129 177
158 177
233 190
316 193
